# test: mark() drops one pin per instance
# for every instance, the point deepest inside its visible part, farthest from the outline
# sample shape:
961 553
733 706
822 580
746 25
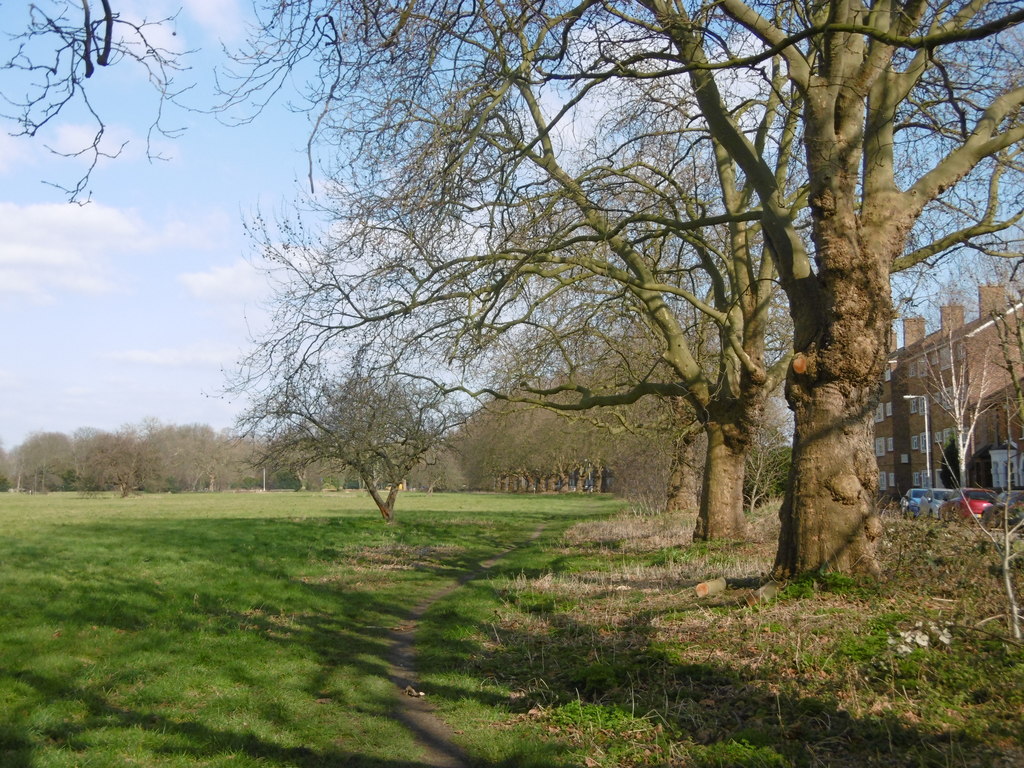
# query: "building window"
888 374
947 434
945 359
888 444
881 481
904 458
913 405
913 445
888 409
880 446
917 479
892 479
879 413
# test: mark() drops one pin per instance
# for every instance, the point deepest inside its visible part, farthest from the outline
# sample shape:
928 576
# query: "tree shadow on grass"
236 587
714 710
188 738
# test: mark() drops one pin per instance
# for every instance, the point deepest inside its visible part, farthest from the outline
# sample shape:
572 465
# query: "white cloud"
237 282
192 355
47 249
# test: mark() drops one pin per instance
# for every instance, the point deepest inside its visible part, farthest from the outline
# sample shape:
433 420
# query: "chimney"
913 330
952 316
991 300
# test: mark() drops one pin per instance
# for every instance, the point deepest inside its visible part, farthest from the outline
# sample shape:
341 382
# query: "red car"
970 502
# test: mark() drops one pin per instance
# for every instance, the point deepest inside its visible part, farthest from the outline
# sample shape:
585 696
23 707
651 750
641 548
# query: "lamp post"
927 439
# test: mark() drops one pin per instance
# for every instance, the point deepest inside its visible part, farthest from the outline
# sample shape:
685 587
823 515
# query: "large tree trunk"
829 515
721 499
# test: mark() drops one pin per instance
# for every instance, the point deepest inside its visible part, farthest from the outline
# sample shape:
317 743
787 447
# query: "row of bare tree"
503 448
605 202
148 456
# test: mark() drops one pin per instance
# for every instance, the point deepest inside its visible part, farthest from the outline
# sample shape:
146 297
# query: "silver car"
911 501
932 500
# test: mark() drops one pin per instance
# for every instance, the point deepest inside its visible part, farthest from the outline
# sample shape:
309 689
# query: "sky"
138 304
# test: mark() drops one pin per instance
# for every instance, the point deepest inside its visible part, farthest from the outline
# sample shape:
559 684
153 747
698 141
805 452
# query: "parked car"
970 502
1009 502
911 501
933 499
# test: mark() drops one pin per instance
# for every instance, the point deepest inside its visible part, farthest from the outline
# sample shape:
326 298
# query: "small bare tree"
769 457
380 426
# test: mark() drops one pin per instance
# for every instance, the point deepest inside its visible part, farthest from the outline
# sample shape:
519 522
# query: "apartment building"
939 383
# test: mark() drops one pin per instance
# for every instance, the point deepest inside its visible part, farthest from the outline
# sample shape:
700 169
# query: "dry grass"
633 531
813 678
400 557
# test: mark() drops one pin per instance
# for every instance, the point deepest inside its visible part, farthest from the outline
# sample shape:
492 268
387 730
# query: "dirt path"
412 709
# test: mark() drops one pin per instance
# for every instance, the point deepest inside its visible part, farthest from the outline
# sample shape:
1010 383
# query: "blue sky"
135 305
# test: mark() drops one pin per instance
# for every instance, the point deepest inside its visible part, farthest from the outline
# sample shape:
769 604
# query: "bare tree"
769 457
963 374
125 460
850 139
469 216
379 426
896 133
57 50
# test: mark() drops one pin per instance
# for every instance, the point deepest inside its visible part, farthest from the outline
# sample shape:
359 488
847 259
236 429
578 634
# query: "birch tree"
960 383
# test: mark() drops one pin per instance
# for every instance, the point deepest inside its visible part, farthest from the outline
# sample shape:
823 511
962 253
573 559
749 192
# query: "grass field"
224 629
252 630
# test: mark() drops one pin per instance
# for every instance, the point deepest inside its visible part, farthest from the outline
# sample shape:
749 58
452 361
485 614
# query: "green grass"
253 630
233 629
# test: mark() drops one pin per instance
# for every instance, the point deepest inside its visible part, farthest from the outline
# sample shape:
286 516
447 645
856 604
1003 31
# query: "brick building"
935 382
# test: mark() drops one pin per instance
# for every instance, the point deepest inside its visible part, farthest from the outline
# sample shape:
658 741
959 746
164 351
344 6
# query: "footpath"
413 709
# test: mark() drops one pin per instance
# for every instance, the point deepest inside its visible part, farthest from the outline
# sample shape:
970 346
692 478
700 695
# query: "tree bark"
683 487
829 516
385 505
685 470
721 498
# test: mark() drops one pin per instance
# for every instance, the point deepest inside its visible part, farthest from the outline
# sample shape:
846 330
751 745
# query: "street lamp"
927 438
